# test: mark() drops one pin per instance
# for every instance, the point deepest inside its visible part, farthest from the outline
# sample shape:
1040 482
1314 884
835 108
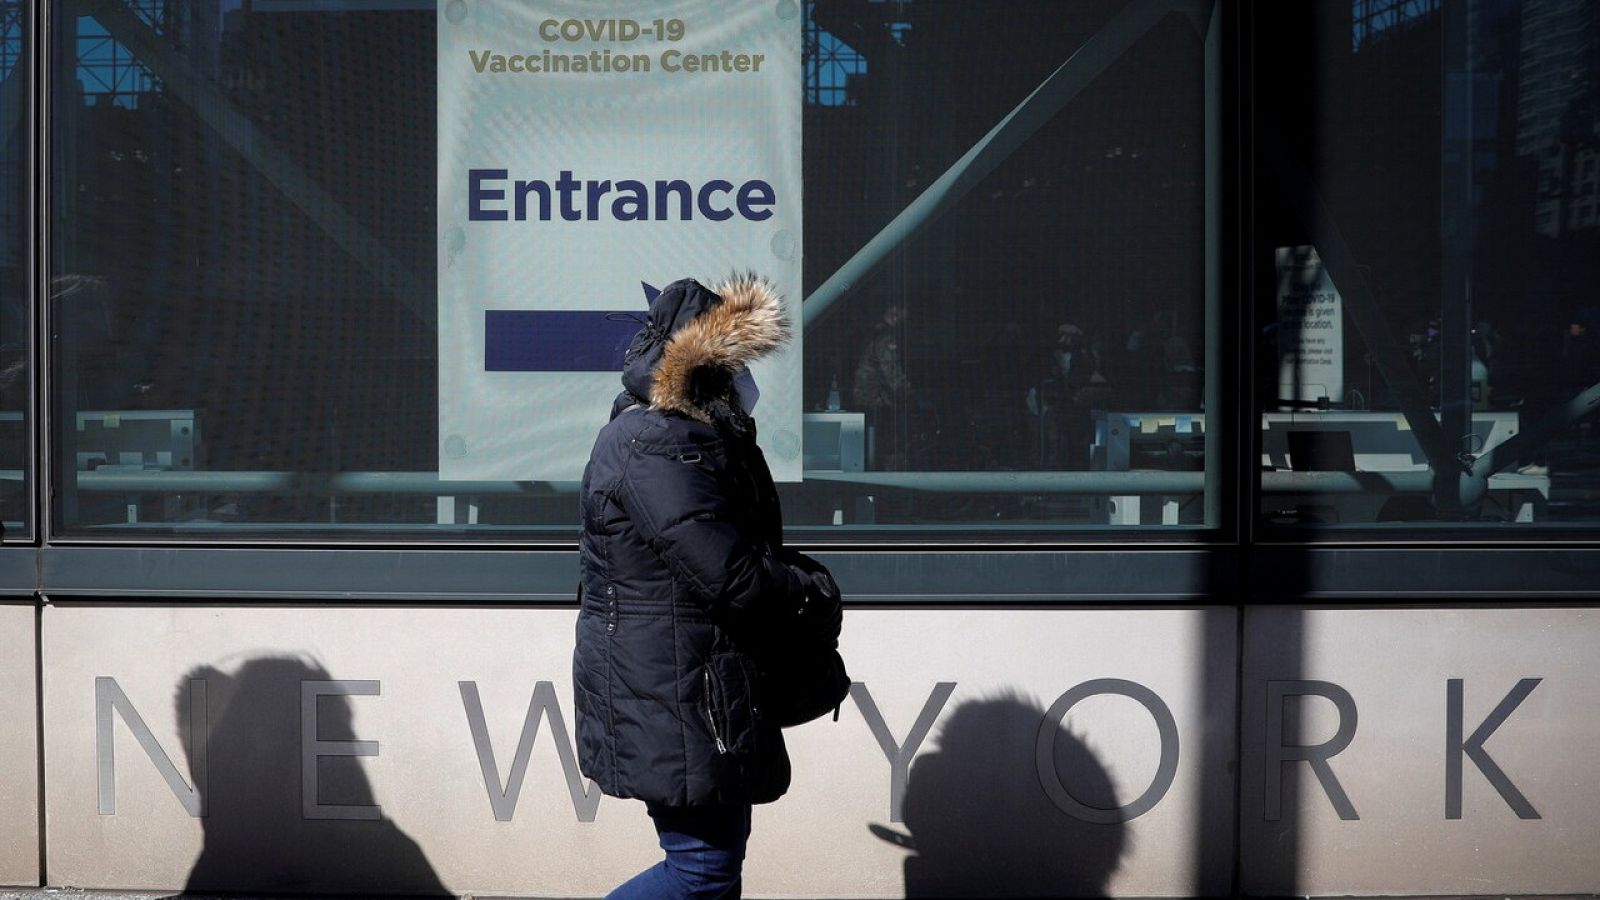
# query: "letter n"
108 696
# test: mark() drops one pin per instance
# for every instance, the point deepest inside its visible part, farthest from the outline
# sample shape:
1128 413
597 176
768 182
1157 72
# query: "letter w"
108 695
503 799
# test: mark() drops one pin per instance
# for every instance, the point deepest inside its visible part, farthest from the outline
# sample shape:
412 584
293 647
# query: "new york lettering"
503 791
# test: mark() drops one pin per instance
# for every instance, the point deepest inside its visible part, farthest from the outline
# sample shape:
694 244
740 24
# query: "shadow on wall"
981 823
257 837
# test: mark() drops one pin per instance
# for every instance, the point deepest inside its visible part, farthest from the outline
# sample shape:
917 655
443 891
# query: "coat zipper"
711 715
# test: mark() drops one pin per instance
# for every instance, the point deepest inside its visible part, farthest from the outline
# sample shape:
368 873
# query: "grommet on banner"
786 444
455 239
783 245
456 11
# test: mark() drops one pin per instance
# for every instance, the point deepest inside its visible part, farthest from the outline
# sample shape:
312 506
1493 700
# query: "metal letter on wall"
311 748
1455 748
900 755
503 800
1045 751
108 695
1316 754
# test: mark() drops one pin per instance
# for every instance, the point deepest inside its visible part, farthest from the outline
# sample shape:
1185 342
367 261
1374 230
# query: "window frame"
1236 561
1220 523
1416 536
32 221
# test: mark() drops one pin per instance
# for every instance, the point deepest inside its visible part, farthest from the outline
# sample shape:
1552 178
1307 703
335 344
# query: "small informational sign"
1310 329
590 153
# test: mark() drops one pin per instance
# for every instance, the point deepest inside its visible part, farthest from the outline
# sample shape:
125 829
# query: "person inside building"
881 389
1068 380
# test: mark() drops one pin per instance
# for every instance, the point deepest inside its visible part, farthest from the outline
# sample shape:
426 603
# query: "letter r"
1317 755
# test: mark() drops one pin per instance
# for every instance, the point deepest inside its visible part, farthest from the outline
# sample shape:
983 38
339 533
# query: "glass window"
243 276
1032 358
1424 250
16 264
235 347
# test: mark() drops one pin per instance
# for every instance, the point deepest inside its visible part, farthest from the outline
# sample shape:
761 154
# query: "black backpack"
804 685
801 683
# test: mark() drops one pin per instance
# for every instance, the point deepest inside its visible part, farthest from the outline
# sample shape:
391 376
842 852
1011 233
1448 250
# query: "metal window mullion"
37 264
1214 329
1247 430
41 414
1455 238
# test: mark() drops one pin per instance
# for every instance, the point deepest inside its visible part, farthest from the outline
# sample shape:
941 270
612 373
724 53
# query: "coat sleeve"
685 516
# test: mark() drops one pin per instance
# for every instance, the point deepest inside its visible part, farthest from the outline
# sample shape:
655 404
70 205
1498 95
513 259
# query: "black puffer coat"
682 583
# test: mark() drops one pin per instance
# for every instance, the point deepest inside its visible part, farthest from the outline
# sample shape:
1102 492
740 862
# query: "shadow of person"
256 838
981 823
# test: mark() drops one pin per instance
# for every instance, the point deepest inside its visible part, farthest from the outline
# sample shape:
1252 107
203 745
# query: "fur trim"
748 324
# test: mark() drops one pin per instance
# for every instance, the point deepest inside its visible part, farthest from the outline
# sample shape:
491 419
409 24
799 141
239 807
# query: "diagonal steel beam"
1529 440
239 132
1081 68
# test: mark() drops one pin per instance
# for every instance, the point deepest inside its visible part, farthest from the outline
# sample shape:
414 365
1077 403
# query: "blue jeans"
705 853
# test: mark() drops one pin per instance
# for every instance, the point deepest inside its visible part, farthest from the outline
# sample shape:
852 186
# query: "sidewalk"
77 894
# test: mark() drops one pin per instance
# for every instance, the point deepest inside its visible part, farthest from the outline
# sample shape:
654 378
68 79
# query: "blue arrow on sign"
521 340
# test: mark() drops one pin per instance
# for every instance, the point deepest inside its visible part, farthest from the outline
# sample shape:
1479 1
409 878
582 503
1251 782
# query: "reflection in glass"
243 274
233 189
15 251
966 380
1431 310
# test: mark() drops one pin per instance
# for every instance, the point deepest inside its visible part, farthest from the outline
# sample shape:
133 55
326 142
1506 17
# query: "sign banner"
1310 329
590 153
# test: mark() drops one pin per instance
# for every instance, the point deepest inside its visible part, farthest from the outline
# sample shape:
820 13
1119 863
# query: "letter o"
572 30
1045 751
547 29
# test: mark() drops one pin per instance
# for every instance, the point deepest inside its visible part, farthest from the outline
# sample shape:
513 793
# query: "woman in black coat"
687 590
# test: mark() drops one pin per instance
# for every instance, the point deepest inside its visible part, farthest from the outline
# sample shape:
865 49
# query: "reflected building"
13 36
1558 70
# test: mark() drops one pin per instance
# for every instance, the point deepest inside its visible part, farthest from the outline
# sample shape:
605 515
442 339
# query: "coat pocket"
730 702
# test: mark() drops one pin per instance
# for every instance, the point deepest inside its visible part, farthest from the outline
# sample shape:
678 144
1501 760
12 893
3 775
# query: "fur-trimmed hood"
697 339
